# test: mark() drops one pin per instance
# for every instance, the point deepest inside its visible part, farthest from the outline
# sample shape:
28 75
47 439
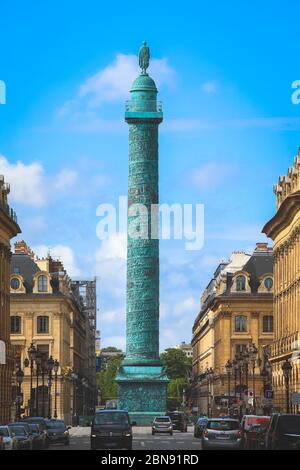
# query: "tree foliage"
176 363
106 378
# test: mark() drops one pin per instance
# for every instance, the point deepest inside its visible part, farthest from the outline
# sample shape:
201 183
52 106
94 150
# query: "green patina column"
142 382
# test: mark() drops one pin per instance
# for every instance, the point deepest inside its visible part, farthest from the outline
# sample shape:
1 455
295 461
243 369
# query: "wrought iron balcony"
9 211
143 106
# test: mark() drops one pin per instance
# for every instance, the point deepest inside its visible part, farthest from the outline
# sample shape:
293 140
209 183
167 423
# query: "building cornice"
287 210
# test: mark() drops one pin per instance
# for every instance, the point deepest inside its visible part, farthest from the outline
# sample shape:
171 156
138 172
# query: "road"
142 440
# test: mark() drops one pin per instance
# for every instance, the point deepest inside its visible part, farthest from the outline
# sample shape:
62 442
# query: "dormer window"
42 283
240 283
15 283
268 283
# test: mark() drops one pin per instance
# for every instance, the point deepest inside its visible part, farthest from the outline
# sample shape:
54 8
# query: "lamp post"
32 355
84 387
55 368
253 353
287 370
50 368
44 372
19 379
38 361
210 377
228 367
74 378
235 374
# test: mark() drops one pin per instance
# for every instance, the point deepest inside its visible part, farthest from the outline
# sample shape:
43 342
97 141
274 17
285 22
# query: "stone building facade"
48 310
8 229
284 229
236 312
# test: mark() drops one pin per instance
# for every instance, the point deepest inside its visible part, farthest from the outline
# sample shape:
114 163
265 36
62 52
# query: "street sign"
295 398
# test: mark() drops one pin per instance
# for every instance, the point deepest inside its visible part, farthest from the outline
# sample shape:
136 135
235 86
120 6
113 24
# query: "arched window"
42 283
268 283
43 324
241 324
15 324
15 283
240 283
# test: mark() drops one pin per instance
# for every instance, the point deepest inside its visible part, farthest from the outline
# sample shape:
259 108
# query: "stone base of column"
142 391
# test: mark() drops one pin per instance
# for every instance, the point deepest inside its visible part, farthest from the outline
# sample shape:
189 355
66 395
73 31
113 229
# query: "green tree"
106 378
176 363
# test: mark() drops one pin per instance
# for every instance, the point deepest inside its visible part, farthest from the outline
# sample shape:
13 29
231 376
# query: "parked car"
283 432
9 441
222 433
111 429
162 424
179 420
39 437
251 425
28 430
42 425
58 432
199 426
23 437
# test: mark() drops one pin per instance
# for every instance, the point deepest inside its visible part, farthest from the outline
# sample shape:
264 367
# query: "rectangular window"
43 324
268 324
15 324
241 324
240 349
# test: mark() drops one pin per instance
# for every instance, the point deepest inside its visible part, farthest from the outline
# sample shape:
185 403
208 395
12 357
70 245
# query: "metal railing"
9 211
143 106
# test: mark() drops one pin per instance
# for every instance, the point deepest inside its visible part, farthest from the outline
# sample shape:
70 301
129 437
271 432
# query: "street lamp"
50 368
74 378
44 372
235 372
253 353
55 368
287 370
209 377
32 355
19 379
38 362
228 367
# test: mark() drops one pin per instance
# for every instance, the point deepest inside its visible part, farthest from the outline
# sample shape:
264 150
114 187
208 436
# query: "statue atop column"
144 57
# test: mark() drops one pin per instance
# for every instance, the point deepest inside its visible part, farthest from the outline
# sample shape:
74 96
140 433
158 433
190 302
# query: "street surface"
142 440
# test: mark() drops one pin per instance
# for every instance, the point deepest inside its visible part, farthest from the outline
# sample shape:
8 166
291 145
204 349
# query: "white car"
9 440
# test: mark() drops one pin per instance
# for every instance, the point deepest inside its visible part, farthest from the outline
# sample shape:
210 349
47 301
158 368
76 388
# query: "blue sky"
224 72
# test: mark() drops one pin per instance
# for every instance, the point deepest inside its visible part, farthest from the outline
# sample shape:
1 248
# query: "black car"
283 432
179 420
111 429
39 437
58 432
42 425
199 426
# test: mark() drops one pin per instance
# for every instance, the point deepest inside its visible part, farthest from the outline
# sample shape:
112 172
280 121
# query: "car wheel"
67 442
153 433
171 433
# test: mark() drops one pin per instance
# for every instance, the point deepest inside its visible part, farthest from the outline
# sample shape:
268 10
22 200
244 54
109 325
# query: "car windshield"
223 425
34 427
18 430
106 418
289 424
162 420
4 432
55 424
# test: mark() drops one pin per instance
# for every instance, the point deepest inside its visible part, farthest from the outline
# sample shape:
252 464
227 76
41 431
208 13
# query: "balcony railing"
143 106
9 211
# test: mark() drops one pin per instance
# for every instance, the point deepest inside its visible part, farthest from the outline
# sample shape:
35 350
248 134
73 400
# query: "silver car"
9 440
162 424
222 433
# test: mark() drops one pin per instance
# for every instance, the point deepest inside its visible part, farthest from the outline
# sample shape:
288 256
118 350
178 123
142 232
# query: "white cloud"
65 179
209 87
210 175
26 182
31 187
113 316
110 84
186 307
115 246
61 252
